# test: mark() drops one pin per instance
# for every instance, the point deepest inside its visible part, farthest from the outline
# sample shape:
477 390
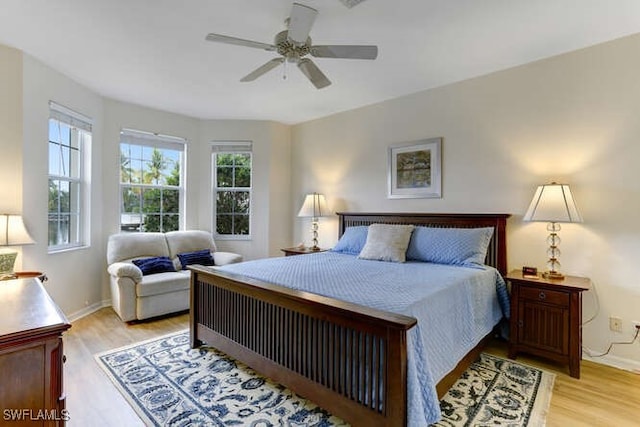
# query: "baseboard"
614 361
88 310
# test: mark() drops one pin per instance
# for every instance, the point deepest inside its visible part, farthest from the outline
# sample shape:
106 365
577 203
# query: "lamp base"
553 275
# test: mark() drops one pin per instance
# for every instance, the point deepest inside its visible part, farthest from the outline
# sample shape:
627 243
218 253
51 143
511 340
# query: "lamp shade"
13 231
315 205
553 203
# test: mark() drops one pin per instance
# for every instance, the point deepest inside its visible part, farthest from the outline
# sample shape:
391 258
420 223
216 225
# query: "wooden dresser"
31 357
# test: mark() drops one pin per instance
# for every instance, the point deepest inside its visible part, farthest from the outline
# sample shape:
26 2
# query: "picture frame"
415 169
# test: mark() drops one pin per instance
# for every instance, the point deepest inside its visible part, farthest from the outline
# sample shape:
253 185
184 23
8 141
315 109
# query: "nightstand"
546 318
300 251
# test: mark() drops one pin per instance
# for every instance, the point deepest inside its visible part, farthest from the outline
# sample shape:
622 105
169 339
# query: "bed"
348 358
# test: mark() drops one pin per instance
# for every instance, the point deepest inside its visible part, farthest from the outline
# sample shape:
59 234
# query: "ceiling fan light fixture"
300 22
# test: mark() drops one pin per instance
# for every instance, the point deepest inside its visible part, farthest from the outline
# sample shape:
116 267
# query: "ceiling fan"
294 44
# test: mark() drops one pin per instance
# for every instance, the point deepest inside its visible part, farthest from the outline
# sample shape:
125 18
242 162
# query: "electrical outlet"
615 324
636 324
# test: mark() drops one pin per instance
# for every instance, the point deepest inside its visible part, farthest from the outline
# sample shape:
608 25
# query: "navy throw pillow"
202 257
161 264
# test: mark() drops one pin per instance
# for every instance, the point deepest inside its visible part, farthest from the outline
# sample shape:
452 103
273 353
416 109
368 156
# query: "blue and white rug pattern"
497 392
169 384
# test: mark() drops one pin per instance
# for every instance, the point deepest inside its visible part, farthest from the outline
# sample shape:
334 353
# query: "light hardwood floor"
92 399
603 396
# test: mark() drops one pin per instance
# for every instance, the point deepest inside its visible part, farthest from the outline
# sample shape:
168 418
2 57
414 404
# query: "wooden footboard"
348 359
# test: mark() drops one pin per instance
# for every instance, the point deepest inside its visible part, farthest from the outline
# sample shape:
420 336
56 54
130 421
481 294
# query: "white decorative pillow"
387 242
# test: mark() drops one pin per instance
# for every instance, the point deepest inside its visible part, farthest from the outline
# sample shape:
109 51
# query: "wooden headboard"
496 253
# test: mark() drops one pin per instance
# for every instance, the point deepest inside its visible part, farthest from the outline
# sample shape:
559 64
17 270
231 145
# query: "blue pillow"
160 264
352 240
202 257
454 246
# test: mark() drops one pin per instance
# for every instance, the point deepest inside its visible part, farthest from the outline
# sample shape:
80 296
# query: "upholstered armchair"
147 271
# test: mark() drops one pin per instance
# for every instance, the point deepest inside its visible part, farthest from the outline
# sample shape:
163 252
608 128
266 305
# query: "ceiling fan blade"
262 70
345 51
240 42
313 73
300 22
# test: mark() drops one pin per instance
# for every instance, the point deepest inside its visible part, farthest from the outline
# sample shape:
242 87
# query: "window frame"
230 147
82 127
157 141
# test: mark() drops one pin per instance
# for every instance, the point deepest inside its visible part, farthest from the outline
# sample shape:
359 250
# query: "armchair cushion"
180 242
163 283
126 246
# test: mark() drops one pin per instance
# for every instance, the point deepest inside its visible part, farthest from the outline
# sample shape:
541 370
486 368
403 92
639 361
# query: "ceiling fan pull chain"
284 70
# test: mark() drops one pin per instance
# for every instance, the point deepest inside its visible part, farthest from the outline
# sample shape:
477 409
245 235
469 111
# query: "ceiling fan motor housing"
290 49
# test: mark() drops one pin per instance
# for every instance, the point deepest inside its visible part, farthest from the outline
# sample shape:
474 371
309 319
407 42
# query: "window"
232 189
151 190
69 141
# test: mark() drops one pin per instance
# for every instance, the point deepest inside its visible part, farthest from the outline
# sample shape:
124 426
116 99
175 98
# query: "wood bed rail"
356 354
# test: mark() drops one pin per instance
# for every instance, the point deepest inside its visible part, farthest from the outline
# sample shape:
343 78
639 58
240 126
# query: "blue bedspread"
455 307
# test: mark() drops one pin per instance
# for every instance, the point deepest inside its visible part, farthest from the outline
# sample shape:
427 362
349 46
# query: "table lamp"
553 203
314 206
12 233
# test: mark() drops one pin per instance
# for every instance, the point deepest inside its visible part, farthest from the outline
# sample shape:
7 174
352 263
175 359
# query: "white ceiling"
154 53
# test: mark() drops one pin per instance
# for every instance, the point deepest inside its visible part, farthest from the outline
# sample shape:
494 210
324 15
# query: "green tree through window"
69 137
232 193
150 186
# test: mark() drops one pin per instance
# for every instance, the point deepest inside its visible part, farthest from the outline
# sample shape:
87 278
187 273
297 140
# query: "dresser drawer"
543 295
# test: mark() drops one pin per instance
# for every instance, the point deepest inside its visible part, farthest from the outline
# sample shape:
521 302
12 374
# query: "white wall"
280 219
572 119
270 182
267 138
11 137
11 130
120 115
77 279
75 276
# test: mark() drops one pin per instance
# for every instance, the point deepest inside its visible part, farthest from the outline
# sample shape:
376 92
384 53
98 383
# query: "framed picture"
415 169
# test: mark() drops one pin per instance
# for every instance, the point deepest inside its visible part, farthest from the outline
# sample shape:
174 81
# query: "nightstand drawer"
544 295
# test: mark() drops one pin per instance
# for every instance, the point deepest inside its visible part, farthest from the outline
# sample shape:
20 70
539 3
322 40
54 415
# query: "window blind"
231 147
67 115
137 137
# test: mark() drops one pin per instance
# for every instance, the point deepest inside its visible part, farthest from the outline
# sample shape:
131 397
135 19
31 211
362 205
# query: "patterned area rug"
169 384
498 392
